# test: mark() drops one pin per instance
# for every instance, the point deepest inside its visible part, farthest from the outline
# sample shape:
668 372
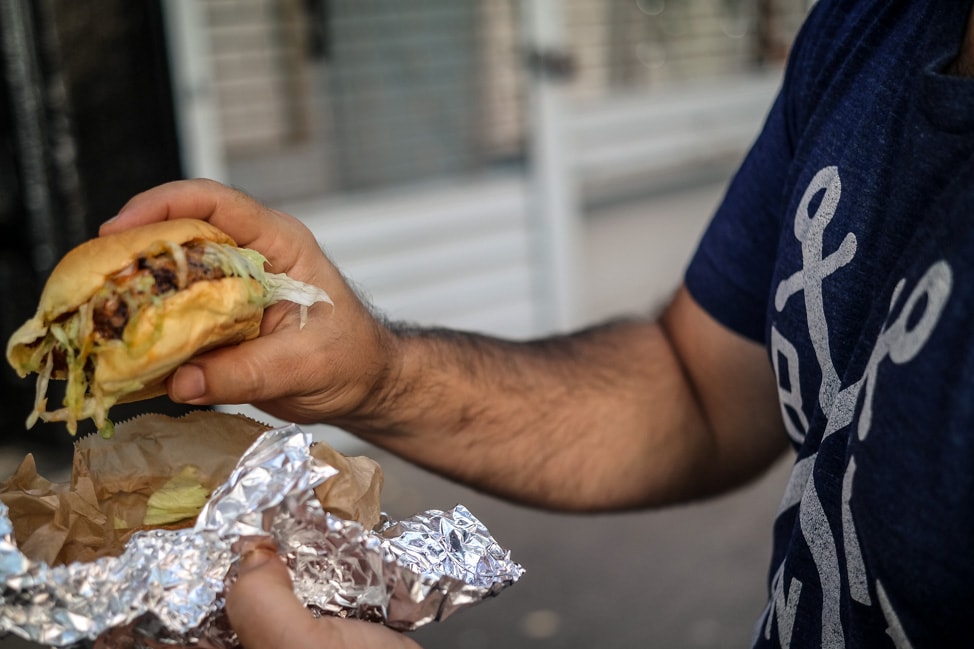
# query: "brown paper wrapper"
104 503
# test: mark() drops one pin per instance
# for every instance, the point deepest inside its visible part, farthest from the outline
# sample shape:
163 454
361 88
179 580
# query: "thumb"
266 614
232 374
261 604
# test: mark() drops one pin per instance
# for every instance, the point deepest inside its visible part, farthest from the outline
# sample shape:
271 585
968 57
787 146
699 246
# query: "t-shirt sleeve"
730 273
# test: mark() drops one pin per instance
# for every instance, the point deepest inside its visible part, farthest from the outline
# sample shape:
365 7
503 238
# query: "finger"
228 209
265 613
281 238
240 373
262 607
196 199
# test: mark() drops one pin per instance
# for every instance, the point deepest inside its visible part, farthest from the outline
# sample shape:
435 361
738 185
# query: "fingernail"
188 383
255 553
254 559
105 224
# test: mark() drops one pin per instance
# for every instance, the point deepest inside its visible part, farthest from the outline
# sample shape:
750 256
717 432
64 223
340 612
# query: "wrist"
377 408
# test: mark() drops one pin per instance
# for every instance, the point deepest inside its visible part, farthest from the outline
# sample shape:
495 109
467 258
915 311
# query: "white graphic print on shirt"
899 341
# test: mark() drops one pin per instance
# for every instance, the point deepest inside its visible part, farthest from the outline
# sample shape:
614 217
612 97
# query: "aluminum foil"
167 587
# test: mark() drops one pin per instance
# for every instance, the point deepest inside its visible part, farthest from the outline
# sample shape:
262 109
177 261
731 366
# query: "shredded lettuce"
107 430
182 497
277 287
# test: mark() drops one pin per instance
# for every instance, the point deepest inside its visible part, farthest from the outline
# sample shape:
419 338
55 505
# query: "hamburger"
119 313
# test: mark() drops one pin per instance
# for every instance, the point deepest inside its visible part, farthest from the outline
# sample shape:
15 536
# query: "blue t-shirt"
845 244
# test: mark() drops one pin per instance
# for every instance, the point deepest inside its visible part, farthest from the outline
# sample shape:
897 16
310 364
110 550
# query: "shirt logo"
901 338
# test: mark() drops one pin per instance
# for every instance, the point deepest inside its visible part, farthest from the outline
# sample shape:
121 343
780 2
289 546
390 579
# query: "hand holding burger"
119 313
336 368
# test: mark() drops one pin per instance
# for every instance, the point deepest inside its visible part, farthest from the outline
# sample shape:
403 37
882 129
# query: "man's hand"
265 613
329 369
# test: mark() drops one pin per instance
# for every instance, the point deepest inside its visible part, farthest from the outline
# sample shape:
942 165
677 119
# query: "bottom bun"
163 336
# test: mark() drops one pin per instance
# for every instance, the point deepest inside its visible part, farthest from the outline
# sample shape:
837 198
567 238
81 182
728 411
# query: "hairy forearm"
600 419
628 414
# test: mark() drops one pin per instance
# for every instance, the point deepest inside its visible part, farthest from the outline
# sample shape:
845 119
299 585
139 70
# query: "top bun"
81 272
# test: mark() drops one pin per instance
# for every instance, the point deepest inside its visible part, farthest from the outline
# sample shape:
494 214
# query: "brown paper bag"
112 480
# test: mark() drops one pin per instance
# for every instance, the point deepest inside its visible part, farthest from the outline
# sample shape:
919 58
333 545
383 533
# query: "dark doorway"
86 121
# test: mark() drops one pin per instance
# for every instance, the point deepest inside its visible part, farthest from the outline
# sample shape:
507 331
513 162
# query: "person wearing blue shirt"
829 307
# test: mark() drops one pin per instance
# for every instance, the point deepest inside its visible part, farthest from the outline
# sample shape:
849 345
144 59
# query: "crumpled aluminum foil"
167 587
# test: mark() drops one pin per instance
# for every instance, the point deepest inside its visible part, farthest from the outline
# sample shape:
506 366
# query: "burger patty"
130 287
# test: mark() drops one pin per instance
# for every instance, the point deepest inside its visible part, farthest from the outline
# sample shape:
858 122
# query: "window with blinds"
317 97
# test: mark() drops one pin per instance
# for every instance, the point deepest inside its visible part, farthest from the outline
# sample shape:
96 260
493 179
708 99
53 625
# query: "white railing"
624 144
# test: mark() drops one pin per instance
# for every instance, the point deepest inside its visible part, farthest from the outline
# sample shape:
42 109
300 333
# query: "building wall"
627 46
329 96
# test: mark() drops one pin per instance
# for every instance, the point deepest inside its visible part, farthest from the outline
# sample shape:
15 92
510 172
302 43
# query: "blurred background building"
479 130
515 167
